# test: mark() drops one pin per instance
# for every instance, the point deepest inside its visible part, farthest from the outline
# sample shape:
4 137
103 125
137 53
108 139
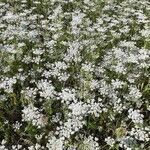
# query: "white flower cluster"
74 74
127 142
54 143
32 114
67 95
47 90
70 127
7 84
141 134
135 116
89 143
110 141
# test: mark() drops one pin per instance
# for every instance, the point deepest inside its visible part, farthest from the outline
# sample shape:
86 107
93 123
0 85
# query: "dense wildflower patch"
74 74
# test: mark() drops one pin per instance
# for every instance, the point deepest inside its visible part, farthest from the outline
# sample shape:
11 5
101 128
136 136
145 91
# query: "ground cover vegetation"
74 74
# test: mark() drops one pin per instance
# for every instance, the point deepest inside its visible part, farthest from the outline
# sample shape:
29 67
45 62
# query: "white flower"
47 89
7 84
135 116
140 134
145 33
134 93
67 95
78 108
54 144
95 108
77 17
87 67
110 141
117 84
89 144
31 113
